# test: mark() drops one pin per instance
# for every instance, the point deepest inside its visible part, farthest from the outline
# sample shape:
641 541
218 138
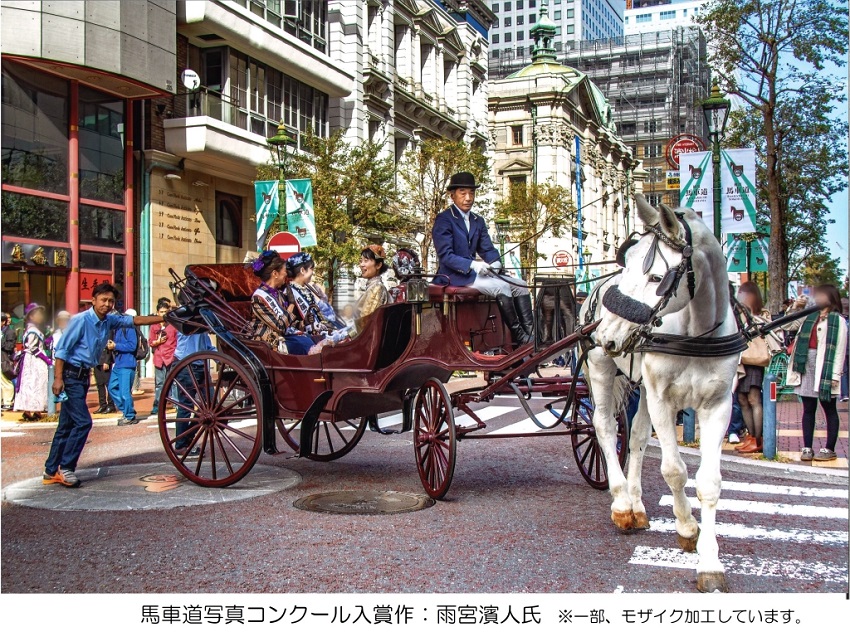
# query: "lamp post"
503 225
278 144
716 111
586 257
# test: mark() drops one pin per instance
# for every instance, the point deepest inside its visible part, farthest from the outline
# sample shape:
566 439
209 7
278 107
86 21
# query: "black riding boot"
525 313
509 315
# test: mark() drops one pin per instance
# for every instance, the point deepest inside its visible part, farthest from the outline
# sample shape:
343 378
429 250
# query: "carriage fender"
308 422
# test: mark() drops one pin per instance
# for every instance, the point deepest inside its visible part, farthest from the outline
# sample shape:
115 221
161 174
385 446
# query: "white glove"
496 266
480 267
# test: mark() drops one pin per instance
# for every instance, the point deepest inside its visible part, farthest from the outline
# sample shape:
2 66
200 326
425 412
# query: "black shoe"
525 314
127 422
109 410
101 409
511 319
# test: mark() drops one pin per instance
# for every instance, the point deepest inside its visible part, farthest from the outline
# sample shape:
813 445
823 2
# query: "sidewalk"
789 441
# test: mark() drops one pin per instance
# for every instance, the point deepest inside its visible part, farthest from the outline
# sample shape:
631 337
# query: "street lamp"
278 144
584 265
716 111
503 225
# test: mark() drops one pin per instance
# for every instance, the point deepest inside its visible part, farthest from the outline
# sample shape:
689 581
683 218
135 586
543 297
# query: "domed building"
550 123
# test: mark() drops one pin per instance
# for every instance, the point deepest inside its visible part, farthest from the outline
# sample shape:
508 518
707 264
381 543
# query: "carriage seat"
456 293
236 283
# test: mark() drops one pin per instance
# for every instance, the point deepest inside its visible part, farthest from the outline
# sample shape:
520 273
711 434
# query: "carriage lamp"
278 144
716 111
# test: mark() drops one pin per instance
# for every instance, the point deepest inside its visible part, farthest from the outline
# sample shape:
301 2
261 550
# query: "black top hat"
462 180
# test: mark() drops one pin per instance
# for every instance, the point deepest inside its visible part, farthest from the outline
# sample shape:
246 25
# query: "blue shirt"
126 342
192 344
85 338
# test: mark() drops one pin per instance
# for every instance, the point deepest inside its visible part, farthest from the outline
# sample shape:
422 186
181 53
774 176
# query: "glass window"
101 226
35 130
34 217
643 17
228 220
101 122
508 22
496 23
95 260
516 134
508 37
571 13
495 7
532 4
668 15
507 6
532 18
495 38
519 5
520 20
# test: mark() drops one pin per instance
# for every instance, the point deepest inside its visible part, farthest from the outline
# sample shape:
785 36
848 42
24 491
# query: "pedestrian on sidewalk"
31 395
754 361
736 422
102 374
163 341
188 344
123 347
815 367
60 323
7 349
76 354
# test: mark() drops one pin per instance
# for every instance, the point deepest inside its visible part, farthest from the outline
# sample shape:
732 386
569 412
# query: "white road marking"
742 565
526 425
618 589
751 506
761 488
743 531
12 434
485 414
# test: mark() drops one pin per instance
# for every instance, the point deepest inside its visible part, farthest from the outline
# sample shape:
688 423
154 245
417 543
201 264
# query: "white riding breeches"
493 285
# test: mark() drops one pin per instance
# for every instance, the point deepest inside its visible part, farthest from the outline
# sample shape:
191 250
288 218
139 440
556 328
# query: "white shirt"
465 216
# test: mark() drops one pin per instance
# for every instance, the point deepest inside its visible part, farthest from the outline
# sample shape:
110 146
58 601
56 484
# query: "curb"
743 465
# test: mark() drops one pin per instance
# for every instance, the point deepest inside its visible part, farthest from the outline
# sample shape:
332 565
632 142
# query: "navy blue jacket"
456 249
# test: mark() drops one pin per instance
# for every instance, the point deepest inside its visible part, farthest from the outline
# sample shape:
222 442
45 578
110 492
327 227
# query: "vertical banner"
758 254
512 261
696 184
738 190
736 253
300 218
268 206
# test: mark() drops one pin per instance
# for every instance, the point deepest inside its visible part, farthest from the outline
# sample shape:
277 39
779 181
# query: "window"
495 38
652 151
532 18
571 13
557 15
668 15
532 4
101 227
520 35
308 25
519 5
627 128
495 7
508 22
643 17
516 135
520 20
496 23
507 6
494 54
650 127
518 181
34 217
228 220
570 29
557 30
655 200
101 142
508 37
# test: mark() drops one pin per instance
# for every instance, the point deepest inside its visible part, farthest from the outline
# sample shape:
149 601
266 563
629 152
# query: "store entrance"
20 288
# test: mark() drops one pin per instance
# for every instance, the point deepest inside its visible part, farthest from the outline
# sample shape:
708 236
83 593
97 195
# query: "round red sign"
683 144
286 244
562 259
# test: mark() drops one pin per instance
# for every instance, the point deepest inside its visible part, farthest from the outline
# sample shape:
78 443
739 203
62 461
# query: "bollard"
689 425
51 399
768 398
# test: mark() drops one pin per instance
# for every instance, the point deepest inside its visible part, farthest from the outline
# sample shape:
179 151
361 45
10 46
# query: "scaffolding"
655 83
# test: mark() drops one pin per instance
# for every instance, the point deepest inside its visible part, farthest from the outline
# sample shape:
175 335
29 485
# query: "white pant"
493 285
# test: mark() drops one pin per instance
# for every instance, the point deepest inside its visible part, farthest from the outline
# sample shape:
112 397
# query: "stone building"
551 123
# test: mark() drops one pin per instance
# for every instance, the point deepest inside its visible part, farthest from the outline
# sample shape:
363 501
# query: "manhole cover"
144 486
363 503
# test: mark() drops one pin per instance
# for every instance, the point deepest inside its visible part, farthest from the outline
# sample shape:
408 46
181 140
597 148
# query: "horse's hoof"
623 520
688 545
640 520
712 582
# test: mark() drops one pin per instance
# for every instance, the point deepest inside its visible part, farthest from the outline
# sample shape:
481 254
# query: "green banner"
300 218
736 254
267 204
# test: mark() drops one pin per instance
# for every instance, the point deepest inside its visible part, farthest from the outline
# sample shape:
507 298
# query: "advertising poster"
738 190
268 205
511 260
736 254
696 188
300 218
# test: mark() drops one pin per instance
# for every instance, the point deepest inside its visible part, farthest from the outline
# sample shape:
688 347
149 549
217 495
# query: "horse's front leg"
714 420
673 468
640 432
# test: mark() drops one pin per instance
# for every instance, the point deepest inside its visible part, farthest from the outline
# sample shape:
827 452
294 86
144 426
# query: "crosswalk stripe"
752 506
742 565
11 434
747 532
526 425
761 488
485 414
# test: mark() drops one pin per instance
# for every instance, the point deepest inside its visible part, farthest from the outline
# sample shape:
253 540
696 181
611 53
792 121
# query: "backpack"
143 349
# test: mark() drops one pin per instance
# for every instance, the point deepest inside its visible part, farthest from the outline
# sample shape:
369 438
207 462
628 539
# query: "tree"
770 54
821 269
532 210
424 173
354 200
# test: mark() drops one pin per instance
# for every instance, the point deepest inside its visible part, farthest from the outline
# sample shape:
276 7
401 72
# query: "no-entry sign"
285 244
683 144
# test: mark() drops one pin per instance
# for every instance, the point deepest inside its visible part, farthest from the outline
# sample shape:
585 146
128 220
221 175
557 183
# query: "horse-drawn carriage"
237 400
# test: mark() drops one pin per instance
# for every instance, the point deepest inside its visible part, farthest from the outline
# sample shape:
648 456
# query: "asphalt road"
519 518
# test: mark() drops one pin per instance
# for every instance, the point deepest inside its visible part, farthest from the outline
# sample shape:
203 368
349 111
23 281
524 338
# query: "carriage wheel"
221 407
331 439
588 455
434 438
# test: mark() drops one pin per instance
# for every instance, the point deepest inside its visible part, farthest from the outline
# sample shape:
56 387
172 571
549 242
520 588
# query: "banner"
758 254
512 261
736 254
268 206
696 184
300 218
738 190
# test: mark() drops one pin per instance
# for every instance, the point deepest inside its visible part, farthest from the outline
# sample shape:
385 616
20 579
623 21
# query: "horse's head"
657 278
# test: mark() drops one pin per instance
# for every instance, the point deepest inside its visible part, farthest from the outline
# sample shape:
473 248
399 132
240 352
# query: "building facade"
550 123
655 83
575 20
661 16
75 75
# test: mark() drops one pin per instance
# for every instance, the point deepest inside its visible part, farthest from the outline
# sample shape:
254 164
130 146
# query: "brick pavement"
789 442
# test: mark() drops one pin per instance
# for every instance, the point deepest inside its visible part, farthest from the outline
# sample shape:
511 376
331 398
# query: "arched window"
228 220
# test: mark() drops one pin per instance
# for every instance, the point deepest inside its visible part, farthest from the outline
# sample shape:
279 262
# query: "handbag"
756 353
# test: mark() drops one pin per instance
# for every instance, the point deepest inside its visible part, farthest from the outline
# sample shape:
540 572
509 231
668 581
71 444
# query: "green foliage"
820 269
532 210
424 173
354 199
773 55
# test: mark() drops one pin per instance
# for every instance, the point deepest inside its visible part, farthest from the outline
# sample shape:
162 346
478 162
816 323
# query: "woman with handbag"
754 360
815 366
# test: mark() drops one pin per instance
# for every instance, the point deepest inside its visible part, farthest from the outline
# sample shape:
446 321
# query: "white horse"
674 283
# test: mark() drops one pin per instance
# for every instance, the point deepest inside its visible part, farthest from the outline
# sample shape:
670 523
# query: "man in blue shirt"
75 354
123 346
187 378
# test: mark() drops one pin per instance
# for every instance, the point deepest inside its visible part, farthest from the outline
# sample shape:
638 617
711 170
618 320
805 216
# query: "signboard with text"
738 190
683 144
672 180
90 280
696 184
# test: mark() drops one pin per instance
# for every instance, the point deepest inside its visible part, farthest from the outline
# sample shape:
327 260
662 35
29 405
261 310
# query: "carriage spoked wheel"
434 438
331 439
217 436
588 455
